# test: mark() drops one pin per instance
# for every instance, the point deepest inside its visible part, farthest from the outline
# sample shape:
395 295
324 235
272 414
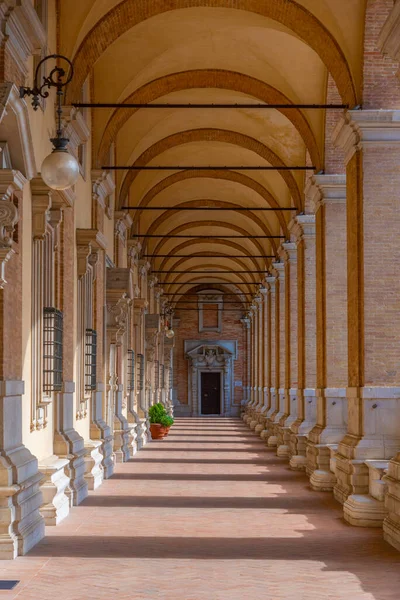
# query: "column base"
391 525
322 481
298 462
272 441
21 523
362 510
73 445
55 490
121 439
283 451
94 468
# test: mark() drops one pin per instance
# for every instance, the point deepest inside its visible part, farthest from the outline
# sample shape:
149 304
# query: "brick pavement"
207 514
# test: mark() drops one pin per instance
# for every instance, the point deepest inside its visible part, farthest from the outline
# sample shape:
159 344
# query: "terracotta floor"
207 514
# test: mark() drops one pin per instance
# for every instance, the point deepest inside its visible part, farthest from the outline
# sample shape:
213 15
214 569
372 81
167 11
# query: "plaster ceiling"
205 52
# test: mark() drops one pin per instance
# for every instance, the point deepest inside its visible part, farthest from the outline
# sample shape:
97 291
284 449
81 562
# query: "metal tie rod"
207 256
207 272
210 105
213 237
205 168
211 282
203 283
224 208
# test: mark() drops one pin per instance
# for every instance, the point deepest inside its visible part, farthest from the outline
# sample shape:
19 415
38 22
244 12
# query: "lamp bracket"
57 78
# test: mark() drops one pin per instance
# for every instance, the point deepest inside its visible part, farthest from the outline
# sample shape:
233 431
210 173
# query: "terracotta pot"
157 431
167 430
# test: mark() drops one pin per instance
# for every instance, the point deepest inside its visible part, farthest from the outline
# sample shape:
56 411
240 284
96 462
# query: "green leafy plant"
156 412
167 421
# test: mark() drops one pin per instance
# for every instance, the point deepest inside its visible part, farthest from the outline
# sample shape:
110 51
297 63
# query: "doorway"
210 393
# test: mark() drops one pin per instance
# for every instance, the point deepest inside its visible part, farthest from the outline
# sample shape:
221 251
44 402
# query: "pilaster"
371 140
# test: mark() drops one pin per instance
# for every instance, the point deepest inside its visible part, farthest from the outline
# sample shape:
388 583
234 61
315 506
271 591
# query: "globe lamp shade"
60 170
170 333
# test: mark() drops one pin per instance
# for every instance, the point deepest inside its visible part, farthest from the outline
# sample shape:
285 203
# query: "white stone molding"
210 357
16 129
94 473
368 510
389 38
55 490
103 187
23 31
321 189
123 222
358 129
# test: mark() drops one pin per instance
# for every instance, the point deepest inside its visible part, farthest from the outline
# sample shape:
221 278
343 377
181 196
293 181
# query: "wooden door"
210 393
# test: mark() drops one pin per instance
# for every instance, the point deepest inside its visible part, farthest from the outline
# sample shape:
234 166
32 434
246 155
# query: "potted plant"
158 423
167 422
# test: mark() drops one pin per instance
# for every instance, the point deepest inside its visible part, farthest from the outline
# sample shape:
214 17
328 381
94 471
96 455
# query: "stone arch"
229 226
210 78
228 243
128 13
182 261
225 175
210 283
170 213
214 135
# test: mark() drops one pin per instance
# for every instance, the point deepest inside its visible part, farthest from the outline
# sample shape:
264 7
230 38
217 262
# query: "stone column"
264 434
264 361
283 391
258 399
329 197
289 252
371 140
306 407
21 524
246 363
274 354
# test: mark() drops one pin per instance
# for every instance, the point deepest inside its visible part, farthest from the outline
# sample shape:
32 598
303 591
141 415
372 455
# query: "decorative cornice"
321 189
290 249
102 187
358 129
24 32
75 128
12 105
92 237
307 224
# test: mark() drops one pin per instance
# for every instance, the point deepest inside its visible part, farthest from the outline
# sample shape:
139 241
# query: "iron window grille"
131 370
156 374
140 372
90 360
162 376
52 350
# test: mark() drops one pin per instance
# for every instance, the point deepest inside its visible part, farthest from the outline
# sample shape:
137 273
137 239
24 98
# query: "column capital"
358 129
290 248
307 224
323 189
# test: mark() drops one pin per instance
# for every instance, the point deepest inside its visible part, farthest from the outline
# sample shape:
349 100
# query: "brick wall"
232 329
381 86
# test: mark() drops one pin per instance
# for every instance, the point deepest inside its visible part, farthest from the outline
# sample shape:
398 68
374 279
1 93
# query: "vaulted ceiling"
212 51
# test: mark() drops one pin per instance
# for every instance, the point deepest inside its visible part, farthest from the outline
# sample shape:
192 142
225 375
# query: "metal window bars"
52 350
90 360
131 370
140 372
156 374
162 376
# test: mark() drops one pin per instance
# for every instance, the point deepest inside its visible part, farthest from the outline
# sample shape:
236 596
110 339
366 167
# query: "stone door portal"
210 393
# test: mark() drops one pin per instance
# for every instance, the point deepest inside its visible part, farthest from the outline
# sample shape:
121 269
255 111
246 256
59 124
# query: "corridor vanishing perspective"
209 513
199 299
